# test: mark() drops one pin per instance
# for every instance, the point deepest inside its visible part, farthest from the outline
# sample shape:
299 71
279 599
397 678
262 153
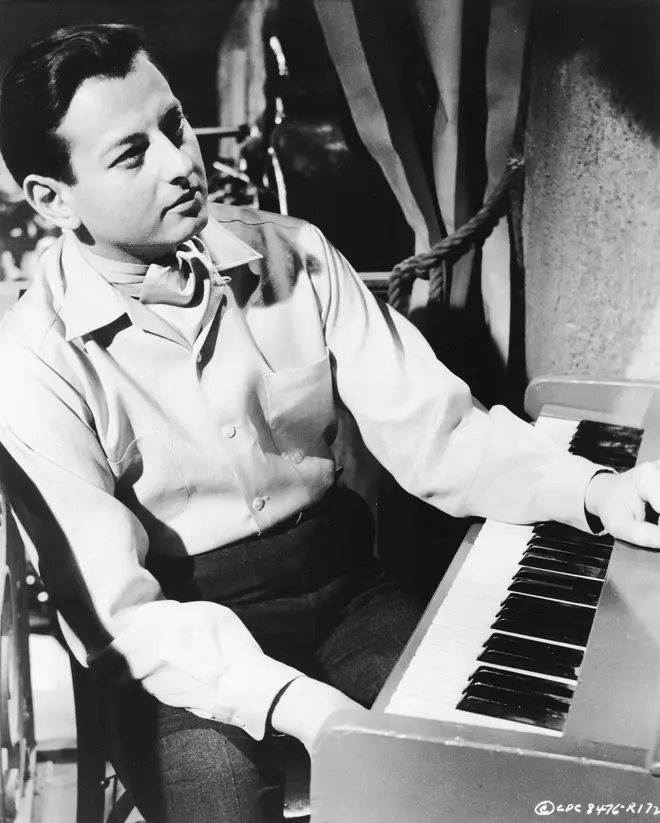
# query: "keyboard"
506 645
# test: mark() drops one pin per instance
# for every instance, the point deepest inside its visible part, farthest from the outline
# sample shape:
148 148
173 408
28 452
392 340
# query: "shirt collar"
227 251
90 302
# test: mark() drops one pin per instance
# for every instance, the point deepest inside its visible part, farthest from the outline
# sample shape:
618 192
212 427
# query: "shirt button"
199 358
297 455
258 503
229 431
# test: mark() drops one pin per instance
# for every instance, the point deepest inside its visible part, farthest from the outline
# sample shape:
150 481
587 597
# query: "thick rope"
452 248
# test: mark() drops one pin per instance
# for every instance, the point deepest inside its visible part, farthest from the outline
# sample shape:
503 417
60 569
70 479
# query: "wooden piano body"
390 768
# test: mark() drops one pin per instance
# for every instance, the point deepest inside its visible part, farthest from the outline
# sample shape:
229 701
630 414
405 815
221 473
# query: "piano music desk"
392 768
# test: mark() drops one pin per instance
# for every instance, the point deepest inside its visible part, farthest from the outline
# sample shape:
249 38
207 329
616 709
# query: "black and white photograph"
329 411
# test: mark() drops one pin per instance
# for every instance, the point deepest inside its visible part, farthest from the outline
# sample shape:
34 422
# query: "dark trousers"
314 597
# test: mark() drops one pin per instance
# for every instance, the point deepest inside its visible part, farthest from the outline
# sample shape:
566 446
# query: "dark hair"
39 85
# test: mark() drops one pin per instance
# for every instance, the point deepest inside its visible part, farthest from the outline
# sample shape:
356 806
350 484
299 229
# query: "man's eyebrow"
128 139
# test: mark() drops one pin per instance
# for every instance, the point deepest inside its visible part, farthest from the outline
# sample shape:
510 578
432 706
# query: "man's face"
140 185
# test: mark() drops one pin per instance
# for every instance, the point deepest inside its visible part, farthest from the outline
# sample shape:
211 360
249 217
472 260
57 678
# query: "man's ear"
48 197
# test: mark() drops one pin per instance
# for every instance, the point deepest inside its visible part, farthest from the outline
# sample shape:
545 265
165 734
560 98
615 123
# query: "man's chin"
202 220
190 225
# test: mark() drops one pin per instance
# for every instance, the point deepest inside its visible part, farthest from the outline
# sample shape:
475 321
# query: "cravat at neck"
175 283
170 282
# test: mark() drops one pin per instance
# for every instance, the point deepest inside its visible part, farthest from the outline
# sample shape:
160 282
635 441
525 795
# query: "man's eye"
132 158
175 129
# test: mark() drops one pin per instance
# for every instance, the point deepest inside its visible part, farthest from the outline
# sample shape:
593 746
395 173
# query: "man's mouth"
188 198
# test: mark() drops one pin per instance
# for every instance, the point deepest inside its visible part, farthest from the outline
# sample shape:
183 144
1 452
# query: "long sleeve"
420 421
91 550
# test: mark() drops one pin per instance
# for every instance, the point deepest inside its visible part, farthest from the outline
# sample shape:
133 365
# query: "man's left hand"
619 501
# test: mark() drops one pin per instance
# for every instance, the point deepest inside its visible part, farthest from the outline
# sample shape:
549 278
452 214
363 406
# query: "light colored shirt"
134 439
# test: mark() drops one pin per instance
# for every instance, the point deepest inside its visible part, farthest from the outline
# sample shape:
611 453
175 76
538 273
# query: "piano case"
390 768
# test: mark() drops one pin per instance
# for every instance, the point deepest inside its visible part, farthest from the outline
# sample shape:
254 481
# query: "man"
171 384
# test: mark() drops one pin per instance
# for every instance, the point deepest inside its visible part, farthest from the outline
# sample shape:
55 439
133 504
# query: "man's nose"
174 160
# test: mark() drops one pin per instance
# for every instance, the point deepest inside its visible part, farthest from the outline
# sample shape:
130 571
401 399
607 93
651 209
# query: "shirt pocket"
301 409
148 474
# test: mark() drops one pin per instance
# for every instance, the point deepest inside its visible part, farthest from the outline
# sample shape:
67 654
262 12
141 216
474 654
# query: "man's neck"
109 266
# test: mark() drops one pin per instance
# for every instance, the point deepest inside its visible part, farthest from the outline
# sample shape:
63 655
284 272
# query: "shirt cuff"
595 523
247 689
565 488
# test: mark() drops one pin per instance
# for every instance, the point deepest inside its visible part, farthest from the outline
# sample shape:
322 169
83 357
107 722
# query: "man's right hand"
305 706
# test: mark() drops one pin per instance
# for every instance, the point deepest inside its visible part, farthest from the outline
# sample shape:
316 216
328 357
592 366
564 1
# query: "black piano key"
612 440
533 627
605 449
607 444
562 531
539 701
609 441
546 720
570 556
522 663
612 432
550 610
515 681
594 556
618 429
535 649
580 547
510 697
533 560
545 619
557 586
567 534
531 656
